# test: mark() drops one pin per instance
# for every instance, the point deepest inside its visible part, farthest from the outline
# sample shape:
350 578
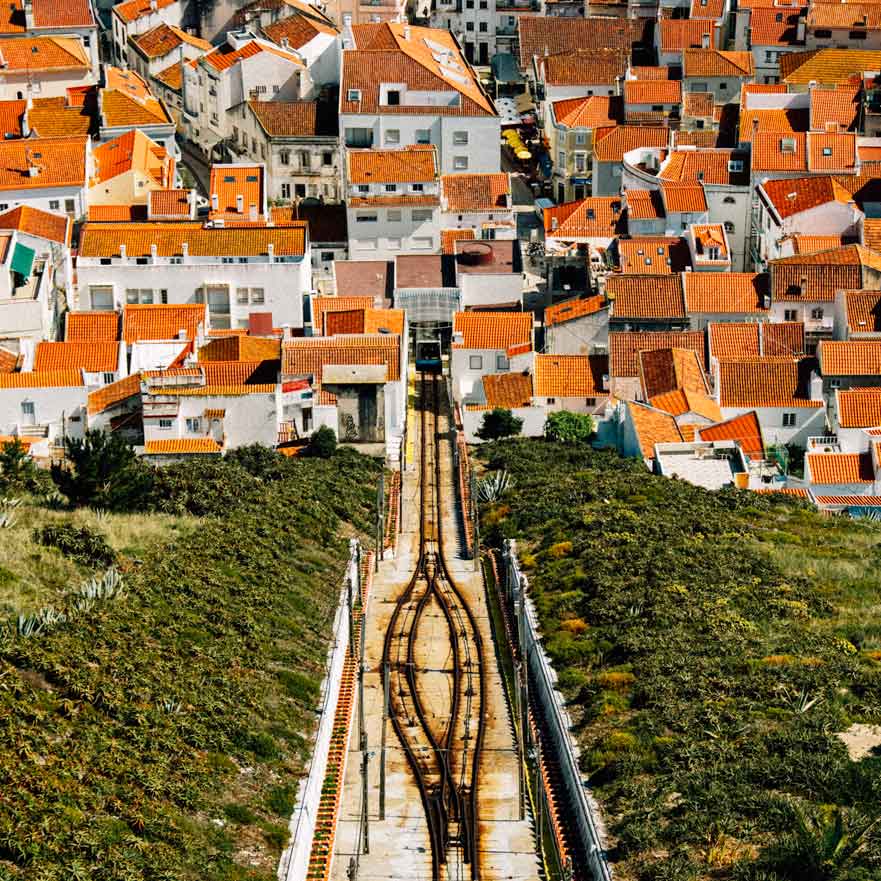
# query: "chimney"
554 223
286 332
270 250
185 250
803 286
214 201
191 202
28 7
406 32
285 43
705 41
182 335
240 204
154 6
154 252
122 252
252 212
25 125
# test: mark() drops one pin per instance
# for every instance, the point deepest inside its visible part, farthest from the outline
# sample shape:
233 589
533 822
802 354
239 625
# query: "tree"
102 471
322 444
259 460
499 423
17 469
568 427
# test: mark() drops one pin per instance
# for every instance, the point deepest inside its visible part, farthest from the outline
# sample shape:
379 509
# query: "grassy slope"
161 735
692 630
32 575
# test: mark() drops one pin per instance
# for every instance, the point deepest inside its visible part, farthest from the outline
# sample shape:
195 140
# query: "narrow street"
400 846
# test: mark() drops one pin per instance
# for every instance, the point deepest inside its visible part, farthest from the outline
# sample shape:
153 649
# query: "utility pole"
385 714
364 756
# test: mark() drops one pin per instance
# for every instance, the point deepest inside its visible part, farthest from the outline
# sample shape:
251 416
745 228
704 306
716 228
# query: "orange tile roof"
228 182
579 67
47 14
765 382
227 56
624 347
364 321
36 222
653 255
775 27
321 305
93 356
734 340
744 429
652 91
308 356
169 203
793 195
644 204
850 357
417 163
172 76
781 122
384 321
8 361
133 151
827 66
296 31
404 54
646 296
716 63
813 244
700 138
570 376
862 310
652 427
777 151
132 10
492 330
164 38
831 468
462 193
847 501
839 106
449 237
240 348
714 9
57 118
42 379
706 237
161 322
43 54
569 310
597 216
114 393
86 326
117 213
684 198
288 119
832 152
548 35
104 239
678 34
707 166
783 338
726 292
700 105
671 369
859 407
61 163
591 112
126 105
817 277
611 143
850 16
508 390
678 402
181 446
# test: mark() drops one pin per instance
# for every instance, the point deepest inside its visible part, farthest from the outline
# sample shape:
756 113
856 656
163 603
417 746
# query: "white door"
28 413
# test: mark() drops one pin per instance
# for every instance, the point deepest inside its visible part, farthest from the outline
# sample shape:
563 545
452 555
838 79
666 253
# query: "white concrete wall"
809 421
52 407
465 377
488 289
14 84
534 419
384 238
579 336
52 199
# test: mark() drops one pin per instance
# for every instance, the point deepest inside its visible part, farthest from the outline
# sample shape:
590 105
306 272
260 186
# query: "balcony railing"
824 444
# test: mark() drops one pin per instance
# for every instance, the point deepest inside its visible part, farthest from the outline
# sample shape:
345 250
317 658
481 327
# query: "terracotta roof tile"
644 204
699 105
652 92
384 321
744 429
36 222
126 100
492 330
508 390
43 55
850 16
462 193
449 237
42 379
240 348
707 166
862 311
775 27
296 31
290 119
775 121
133 151
783 338
114 393
765 382
850 358
794 195
802 244
684 198
541 35
570 376
172 76
8 361
839 106
652 427
847 501
132 10
832 468
569 310
417 163
583 67
322 305
624 348
181 446
678 34
165 38
349 321
161 322
700 138
62 163
611 143
726 292
713 9
170 203
646 296
84 326
859 407
679 402
597 216
671 369
49 14
229 182
827 66
716 63
817 277
93 356
834 152
732 340
57 118
592 112
653 255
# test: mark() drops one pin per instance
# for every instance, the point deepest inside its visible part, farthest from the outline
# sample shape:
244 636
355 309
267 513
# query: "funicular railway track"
443 749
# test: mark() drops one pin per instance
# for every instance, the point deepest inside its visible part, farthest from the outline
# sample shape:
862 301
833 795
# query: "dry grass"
32 575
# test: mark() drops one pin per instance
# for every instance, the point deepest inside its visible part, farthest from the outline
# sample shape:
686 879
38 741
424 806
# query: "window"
353 95
54 205
421 215
729 200
817 313
366 217
194 425
417 188
857 35
423 136
736 166
729 226
363 188
359 137
284 157
391 188
28 411
286 191
394 215
580 138
163 296
69 206
242 296
482 27
108 378
142 296
789 420
393 136
460 162
580 162
469 26
327 158
790 315
561 159
460 139
275 90
393 97
101 296
551 401
421 243
502 362
165 425
475 362
723 87
590 402
835 383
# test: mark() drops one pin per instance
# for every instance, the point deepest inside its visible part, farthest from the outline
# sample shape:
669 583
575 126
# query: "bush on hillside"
569 428
499 423
79 543
18 472
259 461
322 444
202 487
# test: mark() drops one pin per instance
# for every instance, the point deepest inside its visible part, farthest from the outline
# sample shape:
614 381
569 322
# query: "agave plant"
493 487
863 512
7 506
109 586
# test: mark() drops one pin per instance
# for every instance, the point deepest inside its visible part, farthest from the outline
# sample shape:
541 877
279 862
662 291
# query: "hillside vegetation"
155 727
721 653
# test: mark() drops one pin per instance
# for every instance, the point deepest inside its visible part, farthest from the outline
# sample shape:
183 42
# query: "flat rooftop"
488 257
424 271
363 278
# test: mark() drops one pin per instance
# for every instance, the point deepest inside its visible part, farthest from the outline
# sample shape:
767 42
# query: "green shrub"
239 814
499 423
202 487
569 428
322 444
18 472
282 800
80 543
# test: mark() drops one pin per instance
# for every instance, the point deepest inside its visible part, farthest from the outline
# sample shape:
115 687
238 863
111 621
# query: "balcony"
824 444
287 432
